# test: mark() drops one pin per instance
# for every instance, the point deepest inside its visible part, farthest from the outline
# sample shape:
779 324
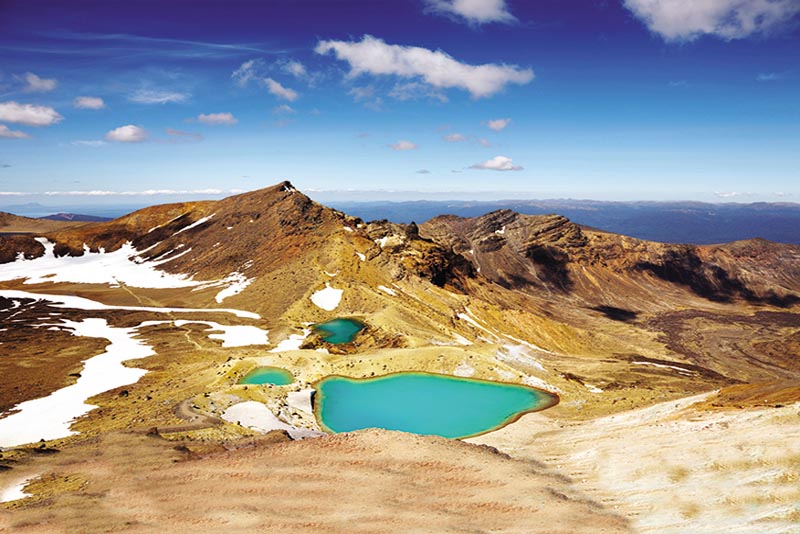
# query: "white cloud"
497 163
35 84
686 20
217 118
295 68
283 109
454 138
423 171
732 194
246 71
436 68
107 193
89 102
416 91
403 145
498 124
484 142
361 94
149 96
770 76
91 143
366 96
180 136
127 134
28 114
473 11
279 90
7 133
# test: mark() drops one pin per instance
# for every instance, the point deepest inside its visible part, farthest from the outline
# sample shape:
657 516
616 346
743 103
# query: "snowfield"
51 417
328 299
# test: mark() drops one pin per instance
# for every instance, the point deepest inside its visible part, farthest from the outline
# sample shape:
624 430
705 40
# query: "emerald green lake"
424 403
338 331
268 375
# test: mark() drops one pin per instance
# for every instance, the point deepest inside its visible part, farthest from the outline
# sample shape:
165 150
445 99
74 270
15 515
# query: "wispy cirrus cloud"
181 136
28 114
154 96
93 143
771 76
120 45
435 68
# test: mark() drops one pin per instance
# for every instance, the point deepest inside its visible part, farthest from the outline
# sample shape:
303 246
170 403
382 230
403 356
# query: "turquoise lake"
338 331
268 375
424 403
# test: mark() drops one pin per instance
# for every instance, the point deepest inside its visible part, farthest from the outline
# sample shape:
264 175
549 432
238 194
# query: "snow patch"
461 340
256 416
195 224
593 389
361 256
471 319
388 290
328 299
80 303
15 491
681 370
347 229
112 268
518 354
231 336
528 344
502 231
238 282
300 400
293 342
537 382
50 417
463 369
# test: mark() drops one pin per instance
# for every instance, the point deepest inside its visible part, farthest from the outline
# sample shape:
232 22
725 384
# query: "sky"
144 102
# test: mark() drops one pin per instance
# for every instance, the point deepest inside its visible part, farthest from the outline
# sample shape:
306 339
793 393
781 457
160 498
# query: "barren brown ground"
365 482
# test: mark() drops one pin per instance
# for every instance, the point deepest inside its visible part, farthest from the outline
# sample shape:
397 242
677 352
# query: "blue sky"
609 100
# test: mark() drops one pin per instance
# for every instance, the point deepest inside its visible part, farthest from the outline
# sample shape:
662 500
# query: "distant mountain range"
667 222
75 217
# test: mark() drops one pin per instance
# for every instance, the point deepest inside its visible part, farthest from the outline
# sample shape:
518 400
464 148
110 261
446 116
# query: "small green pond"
424 403
268 375
338 331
